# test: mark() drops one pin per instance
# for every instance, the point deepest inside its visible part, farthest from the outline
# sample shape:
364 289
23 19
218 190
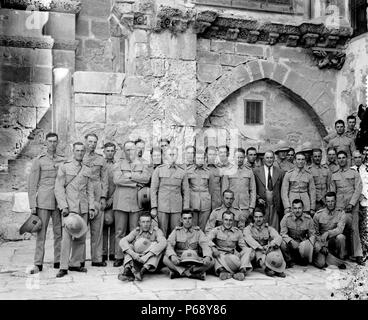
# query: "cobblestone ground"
102 283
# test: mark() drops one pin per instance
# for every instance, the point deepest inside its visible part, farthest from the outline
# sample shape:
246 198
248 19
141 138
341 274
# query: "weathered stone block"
11 116
140 35
208 57
233 60
89 100
98 82
90 114
165 45
208 72
279 73
267 68
60 25
249 49
25 57
41 75
203 44
64 59
96 8
15 74
222 46
255 70
82 27
141 50
90 127
118 114
297 83
184 113
27 95
187 88
241 75
115 100
100 29
137 86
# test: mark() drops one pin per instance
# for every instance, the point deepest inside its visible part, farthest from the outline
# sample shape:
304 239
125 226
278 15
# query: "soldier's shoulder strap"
178 228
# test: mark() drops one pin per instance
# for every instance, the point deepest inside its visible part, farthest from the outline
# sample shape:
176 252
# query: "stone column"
62 119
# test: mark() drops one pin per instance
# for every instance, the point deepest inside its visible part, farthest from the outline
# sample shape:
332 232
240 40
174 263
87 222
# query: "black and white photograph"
184 150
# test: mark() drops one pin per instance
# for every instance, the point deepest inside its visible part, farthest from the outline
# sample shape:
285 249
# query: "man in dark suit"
268 185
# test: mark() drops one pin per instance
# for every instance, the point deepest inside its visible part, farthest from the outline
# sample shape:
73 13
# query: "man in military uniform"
266 243
41 184
251 154
140 147
307 149
321 176
200 180
298 234
298 183
223 157
348 187
281 151
190 152
341 142
215 183
143 248
74 192
332 160
329 224
291 155
108 242
351 132
215 218
169 192
363 200
232 255
129 175
99 177
242 182
188 241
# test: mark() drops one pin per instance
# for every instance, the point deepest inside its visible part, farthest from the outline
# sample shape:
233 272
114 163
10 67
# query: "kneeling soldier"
188 253
329 224
298 233
266 242
143 248
226 239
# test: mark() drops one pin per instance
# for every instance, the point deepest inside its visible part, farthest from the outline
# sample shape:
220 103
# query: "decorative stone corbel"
310 39
292 40
252 36
329 58
203 20
232 34
273 37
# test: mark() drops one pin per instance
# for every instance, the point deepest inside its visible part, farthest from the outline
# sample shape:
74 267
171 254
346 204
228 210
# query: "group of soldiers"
268 210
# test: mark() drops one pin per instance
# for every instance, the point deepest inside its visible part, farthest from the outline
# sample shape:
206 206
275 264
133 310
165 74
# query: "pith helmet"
190 256
75 225
231 262
109 217
306 147
144 197
142 245
282 146
275 261
306 250
32 224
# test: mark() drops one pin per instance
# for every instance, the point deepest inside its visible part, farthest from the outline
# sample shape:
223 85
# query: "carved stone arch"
297 88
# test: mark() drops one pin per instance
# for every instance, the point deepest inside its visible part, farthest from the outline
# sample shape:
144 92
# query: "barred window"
358 16
253 112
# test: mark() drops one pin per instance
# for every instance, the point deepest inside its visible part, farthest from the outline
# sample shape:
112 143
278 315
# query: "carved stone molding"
66 6
331 59
39 43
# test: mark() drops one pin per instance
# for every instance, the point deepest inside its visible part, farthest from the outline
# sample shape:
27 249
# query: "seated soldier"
188 253
226 239
143 248
329 224
298 234
266 242
215 218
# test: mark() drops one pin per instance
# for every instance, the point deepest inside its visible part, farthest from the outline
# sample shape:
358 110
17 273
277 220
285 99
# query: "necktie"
269 180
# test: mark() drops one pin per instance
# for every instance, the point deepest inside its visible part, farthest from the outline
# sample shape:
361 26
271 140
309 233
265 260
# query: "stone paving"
101 283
